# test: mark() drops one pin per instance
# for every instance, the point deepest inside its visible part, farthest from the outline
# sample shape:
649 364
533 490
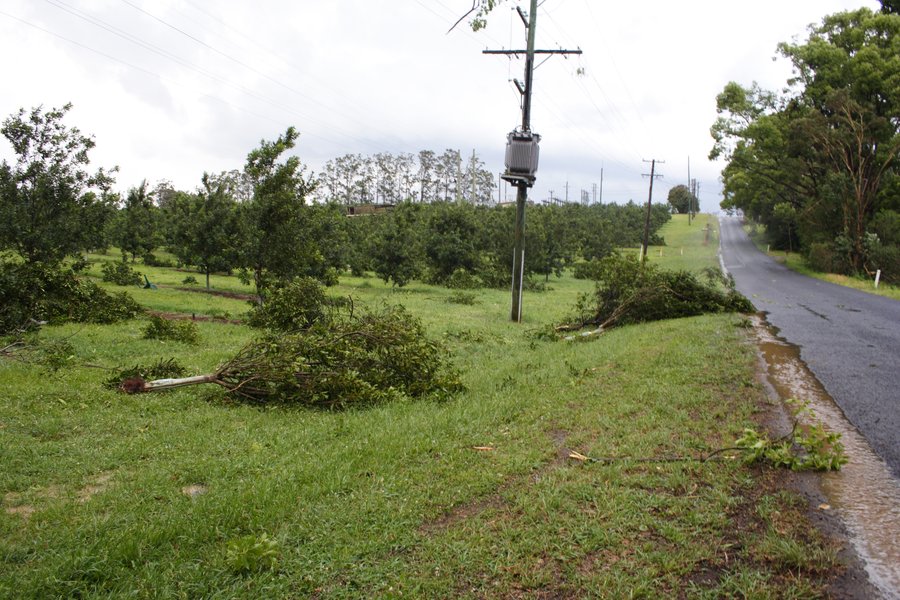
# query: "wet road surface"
849 339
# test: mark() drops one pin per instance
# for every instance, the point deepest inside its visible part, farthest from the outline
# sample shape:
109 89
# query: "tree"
46 210
815 166
207 229
396 245
137 224
275 244
681 199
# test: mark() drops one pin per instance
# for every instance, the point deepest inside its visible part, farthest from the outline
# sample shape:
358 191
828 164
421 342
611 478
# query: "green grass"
795 261
188 494
688 247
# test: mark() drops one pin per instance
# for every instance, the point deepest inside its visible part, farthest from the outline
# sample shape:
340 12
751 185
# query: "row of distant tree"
261 221
391 178
819 163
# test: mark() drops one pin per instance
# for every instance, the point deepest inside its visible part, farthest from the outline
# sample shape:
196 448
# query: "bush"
34 292
294 307
357 360
460 297
886 258
820 257
462 279
590 269
151 260
179 331
628 292
189 280
120 273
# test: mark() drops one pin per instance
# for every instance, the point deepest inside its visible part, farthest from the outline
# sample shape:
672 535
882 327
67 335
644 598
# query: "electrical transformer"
521 157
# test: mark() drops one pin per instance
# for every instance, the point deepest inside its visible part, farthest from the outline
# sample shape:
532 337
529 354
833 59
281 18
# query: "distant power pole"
474 200
652 176
601 185
567 191
691 190
594 190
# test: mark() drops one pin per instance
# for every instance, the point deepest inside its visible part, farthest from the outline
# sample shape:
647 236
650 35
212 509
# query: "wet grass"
188 494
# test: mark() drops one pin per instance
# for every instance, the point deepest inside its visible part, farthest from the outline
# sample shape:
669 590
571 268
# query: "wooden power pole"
646 245
522 184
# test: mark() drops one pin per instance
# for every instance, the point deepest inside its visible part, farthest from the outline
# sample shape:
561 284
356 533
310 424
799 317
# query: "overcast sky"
173 88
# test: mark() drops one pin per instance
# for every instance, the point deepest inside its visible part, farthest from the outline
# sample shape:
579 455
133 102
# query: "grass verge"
187 494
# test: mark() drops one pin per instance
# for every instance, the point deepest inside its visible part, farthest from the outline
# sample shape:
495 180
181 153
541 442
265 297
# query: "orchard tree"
49 207
396 244
136 228
207 229
275 242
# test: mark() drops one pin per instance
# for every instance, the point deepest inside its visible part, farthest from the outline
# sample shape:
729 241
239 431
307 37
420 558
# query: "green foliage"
812 448
816 165
136 226
275 242
461 297
31 348
120 273
463 280
296 306
588 269
629 292
189 280
175 330
47 207
162 368
204 227
396 253
682 201
252 554
362 359
33 292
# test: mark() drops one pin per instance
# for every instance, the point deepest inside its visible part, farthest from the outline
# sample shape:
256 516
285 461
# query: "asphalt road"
849 339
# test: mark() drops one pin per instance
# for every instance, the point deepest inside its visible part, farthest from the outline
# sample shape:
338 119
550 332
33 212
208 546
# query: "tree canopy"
48 208
818 163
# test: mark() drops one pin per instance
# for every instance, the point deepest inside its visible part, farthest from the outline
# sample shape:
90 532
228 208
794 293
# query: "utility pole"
691 190
652 176
594 190
601 185
474 202
523 183
567 191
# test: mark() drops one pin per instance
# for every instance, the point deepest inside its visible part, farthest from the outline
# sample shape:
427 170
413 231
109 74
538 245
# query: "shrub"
886 258
628 292
590 269
294 307
35 292
460 297
820 257
356 360
120 273
179 331
151 260
462 279
189 280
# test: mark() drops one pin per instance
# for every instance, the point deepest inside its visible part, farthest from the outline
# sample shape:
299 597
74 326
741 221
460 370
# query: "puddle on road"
864 492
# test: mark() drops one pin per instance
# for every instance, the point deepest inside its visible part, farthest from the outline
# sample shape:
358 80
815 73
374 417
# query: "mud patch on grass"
194 490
